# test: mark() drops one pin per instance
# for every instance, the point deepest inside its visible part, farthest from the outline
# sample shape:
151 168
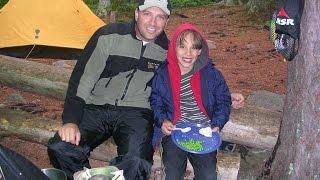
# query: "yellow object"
59 23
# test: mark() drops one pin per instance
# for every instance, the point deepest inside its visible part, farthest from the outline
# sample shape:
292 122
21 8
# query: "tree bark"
297 155
103 4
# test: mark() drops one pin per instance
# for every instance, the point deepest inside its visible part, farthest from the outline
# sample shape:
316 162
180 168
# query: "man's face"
187 54
150 23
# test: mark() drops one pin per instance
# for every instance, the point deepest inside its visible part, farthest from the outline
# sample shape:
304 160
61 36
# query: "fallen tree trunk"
38 129
254 127
251 126
28 127
34 77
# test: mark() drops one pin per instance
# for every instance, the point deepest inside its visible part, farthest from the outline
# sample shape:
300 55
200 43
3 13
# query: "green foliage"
262 9
191 3
93 4
3 2
124 9
122 6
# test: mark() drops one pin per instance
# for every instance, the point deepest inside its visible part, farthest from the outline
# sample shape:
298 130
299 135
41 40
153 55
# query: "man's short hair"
164 5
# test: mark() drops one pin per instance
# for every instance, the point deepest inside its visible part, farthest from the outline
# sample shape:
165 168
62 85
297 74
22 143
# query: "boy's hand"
167 127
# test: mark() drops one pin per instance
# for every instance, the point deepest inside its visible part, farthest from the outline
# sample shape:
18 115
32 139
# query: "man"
108 94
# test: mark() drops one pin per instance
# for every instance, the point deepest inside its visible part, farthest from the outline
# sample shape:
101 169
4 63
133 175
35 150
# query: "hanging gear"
285 27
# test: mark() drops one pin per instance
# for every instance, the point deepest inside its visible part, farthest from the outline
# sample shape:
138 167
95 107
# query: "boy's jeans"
175 162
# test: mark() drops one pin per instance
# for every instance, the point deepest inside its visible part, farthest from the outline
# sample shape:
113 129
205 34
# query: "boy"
188 86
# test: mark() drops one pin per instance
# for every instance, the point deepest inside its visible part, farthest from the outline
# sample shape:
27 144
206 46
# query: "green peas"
192 145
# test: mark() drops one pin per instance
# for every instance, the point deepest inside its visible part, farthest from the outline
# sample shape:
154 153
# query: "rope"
34 45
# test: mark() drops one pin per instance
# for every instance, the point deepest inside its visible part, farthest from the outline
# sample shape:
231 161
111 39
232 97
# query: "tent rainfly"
56 23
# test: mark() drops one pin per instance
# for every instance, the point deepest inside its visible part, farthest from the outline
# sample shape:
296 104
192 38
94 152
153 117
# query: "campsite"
39 47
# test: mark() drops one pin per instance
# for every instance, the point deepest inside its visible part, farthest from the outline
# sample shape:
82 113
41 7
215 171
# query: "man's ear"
167 21
136 14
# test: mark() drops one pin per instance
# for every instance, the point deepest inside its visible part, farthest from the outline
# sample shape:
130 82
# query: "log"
34 77
31 128
38 129
251 126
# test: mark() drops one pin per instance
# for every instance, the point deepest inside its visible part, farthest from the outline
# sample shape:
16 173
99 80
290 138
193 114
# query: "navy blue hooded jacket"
214 92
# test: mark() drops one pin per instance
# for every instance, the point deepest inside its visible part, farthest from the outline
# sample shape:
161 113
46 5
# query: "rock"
228 165
267 100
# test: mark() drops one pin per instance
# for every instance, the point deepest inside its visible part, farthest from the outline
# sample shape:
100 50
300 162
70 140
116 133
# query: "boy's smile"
187 54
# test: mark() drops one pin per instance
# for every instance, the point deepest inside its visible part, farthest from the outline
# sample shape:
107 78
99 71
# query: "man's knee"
54 145
58 149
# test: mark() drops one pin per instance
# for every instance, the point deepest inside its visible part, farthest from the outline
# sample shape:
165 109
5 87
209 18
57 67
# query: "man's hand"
216 129
237 100
70 133
167 127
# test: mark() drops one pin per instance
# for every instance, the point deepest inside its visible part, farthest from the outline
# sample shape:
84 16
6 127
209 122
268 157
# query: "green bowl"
54 174
104 171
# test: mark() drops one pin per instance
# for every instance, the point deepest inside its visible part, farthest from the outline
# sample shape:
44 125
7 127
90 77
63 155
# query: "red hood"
171 55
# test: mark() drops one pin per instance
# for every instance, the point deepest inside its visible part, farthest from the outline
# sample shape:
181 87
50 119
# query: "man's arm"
73 107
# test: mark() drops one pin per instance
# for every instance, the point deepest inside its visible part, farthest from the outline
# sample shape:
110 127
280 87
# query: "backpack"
15 167
285 27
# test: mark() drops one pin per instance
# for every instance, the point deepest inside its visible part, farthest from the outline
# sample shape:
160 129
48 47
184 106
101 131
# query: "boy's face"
150 23
187 54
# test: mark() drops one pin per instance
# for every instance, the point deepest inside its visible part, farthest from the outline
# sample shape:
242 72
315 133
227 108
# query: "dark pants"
131 129
175 162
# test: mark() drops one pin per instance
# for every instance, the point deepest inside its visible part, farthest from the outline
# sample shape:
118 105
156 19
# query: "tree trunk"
297 155
102 7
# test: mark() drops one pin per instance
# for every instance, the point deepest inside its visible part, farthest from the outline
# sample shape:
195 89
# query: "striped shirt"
190 111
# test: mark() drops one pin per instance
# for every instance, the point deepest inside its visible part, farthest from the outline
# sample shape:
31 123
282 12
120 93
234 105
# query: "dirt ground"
241 50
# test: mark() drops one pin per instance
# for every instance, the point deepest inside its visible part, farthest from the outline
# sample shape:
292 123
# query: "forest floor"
241 49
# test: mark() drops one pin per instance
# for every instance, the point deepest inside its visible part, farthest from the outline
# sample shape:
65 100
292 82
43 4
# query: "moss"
5 123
